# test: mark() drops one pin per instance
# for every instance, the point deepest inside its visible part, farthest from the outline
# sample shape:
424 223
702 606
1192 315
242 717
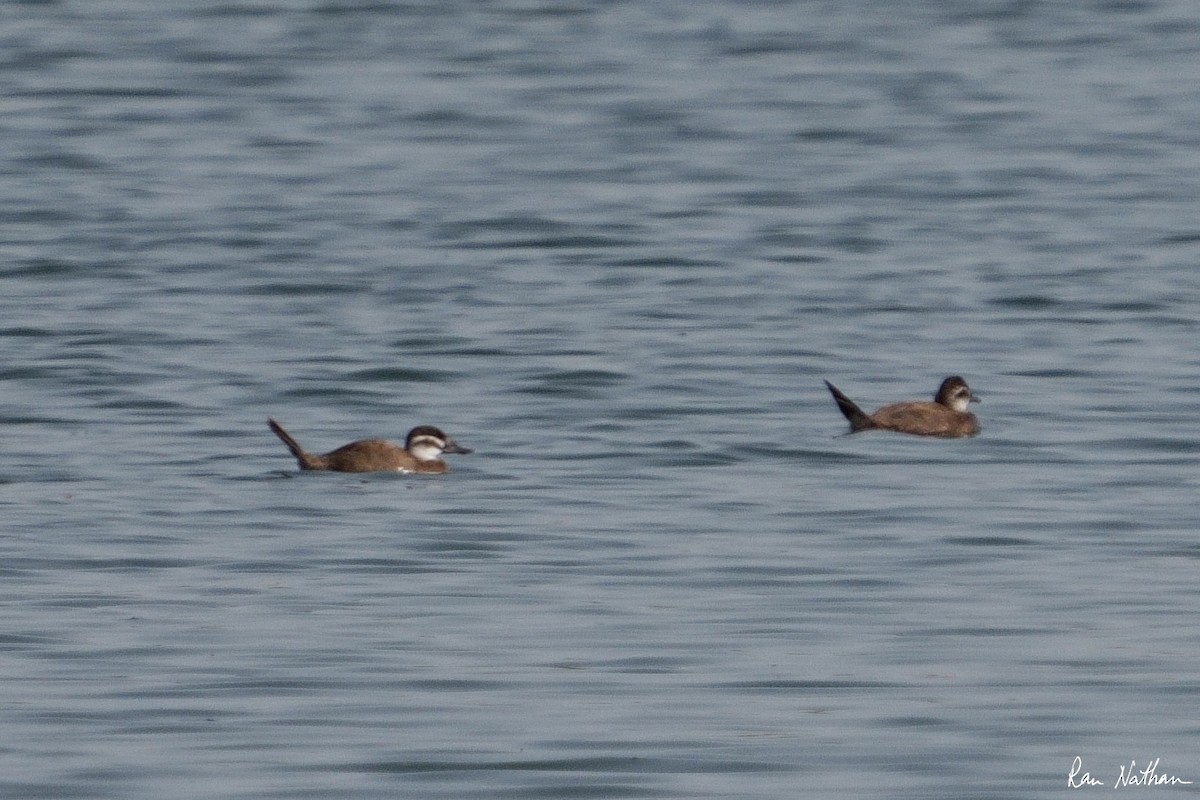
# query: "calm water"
615 247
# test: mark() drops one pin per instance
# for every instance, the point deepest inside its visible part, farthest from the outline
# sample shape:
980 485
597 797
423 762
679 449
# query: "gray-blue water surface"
614 247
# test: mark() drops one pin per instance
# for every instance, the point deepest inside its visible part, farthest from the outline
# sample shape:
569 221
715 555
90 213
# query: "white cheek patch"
426 449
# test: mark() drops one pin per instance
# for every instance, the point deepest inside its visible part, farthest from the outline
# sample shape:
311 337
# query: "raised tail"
306 461
859 421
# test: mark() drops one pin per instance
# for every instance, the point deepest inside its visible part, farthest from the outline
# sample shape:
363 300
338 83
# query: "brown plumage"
422 448
946 416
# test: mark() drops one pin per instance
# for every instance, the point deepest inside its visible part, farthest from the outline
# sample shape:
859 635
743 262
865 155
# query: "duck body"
422 452
946 416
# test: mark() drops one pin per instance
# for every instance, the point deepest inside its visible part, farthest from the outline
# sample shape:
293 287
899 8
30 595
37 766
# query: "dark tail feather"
858 420
306 461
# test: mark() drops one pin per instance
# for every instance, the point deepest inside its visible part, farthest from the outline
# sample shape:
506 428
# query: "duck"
946 416
422 451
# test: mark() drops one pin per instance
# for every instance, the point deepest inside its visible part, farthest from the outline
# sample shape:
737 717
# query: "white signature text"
1077 778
